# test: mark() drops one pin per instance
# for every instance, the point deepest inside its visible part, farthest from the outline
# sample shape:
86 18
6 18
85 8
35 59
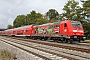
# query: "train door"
65 28
61 28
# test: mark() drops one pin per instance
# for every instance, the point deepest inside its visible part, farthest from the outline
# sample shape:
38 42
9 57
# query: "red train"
64 31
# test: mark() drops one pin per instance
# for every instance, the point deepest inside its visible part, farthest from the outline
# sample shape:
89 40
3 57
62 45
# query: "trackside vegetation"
5 55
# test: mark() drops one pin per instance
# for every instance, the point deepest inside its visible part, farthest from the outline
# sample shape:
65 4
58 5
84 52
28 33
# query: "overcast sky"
9 9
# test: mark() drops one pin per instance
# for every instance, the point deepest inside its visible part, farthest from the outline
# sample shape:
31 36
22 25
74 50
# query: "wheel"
62 40
40 38
71 41
33 38
66 40
79 40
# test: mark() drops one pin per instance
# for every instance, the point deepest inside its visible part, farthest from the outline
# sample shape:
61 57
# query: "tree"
20 21
33 17
41 21
72 11
86 8
86 13
86 26
53 20
52 13
9 26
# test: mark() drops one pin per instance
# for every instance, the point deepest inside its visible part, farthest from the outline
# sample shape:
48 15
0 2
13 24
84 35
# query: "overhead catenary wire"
43 3
16 7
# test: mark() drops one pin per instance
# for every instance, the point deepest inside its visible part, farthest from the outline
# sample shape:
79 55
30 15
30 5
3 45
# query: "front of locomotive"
77 31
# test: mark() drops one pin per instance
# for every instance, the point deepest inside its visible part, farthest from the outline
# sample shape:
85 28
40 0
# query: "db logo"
65 30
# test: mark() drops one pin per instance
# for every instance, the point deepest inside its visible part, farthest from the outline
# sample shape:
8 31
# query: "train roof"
50 23
24 27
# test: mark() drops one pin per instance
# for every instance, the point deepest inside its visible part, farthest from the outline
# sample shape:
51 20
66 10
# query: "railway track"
84 44
55 50
77 47
40 53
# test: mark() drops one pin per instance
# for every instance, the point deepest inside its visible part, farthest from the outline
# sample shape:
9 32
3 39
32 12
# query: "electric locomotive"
64 31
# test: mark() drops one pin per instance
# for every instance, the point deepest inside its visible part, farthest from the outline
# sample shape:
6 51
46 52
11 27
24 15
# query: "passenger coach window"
26 30
65 25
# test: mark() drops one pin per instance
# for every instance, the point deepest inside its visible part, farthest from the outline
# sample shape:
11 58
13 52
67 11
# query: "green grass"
5 55
87 41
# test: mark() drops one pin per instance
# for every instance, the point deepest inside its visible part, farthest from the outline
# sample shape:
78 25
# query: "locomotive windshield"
76 24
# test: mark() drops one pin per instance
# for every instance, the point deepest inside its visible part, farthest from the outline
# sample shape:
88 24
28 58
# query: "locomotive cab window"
76 24
65 25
